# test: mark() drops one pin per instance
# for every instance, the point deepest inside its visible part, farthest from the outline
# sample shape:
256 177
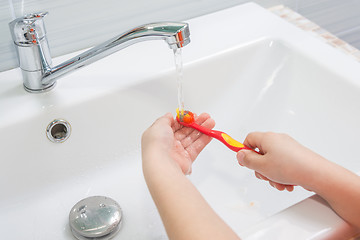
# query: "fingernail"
290 188
240 156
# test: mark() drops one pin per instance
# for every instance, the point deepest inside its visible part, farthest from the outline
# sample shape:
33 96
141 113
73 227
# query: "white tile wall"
77 24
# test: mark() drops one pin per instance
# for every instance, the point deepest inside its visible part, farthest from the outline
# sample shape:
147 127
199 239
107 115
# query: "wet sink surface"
266 84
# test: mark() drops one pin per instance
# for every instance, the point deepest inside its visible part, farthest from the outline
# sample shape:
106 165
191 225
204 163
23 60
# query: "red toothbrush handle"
221 136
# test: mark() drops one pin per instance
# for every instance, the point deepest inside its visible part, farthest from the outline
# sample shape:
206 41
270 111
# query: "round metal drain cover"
58 131
95 217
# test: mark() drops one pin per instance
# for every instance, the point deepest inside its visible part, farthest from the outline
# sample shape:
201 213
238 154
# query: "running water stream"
179 76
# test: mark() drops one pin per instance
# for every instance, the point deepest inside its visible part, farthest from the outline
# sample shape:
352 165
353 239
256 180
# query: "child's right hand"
284 162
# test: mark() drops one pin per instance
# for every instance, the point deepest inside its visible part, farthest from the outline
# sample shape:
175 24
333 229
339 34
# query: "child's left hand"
182 144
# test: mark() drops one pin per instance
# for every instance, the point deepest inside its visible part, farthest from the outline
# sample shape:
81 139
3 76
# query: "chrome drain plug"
58 131
95 218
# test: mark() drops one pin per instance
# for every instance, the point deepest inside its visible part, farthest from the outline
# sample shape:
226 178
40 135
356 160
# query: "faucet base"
45 89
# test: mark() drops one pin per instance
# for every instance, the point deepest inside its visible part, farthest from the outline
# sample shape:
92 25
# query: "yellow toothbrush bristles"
180 115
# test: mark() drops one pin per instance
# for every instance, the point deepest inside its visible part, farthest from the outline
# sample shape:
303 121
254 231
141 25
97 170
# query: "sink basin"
263 80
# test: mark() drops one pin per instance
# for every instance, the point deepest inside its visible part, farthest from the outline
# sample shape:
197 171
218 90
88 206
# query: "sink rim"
266 26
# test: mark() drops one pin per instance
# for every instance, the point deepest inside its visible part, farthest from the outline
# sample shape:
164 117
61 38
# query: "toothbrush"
188 120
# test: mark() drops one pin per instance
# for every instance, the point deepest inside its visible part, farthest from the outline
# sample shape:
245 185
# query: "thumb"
250 159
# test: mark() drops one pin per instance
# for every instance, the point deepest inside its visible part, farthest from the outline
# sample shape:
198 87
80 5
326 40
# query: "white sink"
258 73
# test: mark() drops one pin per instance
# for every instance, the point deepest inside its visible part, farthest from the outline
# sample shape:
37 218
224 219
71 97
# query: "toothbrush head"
188 117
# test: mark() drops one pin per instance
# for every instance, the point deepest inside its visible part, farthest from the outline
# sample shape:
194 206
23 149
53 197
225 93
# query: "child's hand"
168 150
166 137
284 162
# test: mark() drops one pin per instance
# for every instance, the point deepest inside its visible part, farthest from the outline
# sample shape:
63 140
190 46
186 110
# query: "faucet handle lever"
28 30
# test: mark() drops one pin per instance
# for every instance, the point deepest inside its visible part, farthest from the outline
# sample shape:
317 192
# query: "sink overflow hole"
58 130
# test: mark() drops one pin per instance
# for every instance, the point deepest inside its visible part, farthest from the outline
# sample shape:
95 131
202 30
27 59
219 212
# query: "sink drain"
58 131
95 217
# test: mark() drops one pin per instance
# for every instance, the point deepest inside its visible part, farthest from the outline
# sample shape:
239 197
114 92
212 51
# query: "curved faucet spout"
32 44
175 34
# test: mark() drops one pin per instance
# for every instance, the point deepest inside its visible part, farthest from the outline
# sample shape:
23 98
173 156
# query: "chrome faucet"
29 36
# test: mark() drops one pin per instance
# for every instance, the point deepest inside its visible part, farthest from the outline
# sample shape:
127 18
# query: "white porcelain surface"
246 67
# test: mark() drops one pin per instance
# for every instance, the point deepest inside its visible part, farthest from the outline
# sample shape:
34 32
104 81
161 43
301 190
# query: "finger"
253 140
166 119
182 132
198 119
197 140
198 143
279 186
251 160
188 136
202 118
260 176
289 188
197 146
